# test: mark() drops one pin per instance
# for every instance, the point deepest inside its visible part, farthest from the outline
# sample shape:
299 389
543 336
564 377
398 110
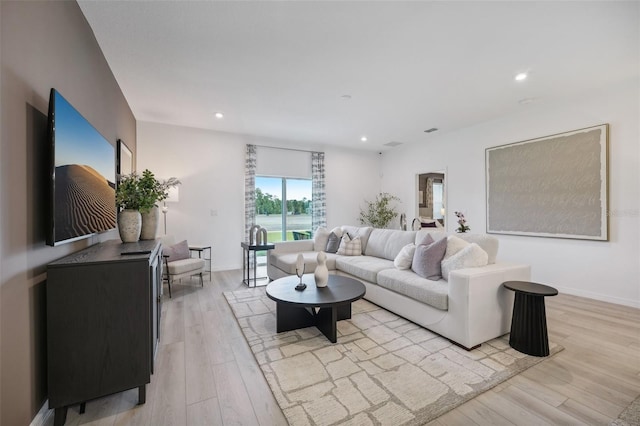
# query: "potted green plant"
137 197
379 212
128 201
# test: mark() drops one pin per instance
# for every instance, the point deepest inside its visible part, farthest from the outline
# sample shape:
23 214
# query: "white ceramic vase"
321 273
129 225
150 221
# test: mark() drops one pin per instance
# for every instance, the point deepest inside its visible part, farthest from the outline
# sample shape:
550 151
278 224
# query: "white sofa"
470 308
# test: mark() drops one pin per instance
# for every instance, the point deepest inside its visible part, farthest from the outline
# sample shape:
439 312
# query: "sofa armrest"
478 300
295 246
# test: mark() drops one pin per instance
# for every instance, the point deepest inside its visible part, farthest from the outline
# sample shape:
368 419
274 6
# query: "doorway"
431 206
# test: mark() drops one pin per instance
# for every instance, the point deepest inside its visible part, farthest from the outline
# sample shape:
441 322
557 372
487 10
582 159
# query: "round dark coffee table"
319 307
529 322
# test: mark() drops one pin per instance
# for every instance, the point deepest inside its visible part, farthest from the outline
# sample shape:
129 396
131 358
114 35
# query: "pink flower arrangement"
462 222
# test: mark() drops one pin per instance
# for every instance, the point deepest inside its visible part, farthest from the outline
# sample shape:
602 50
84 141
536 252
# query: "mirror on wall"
431 201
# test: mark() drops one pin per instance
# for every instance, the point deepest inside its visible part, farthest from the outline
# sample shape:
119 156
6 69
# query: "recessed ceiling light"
219 115
345 97
526 101
521 76
431 130
363 139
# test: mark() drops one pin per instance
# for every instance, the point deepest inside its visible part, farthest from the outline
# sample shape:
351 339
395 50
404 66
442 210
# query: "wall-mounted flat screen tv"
83 174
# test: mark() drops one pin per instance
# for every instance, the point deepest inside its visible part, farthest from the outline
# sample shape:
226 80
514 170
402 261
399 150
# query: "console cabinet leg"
83 406
142 394
60 416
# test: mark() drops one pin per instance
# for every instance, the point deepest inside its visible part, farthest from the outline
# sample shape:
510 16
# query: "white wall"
607 271
210 165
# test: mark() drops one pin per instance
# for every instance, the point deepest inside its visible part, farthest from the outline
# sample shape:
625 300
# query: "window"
438 189
283 207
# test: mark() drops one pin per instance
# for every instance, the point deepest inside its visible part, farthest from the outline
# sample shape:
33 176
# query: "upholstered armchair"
178 263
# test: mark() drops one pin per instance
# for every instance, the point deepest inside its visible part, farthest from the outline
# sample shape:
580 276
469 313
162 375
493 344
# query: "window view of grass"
284 204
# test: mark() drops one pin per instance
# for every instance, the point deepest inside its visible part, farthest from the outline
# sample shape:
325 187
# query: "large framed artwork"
554 186
125 160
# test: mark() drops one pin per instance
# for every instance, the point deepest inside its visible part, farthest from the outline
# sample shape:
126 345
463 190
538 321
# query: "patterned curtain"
318 195
249 190
429 195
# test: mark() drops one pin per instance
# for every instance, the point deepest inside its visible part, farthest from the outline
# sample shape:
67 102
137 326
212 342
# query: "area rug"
630 416
384 370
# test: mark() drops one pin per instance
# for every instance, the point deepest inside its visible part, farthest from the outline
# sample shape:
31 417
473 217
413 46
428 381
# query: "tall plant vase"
129 225
321 274
150 221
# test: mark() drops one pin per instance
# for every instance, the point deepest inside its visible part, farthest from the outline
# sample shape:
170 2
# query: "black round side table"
529 322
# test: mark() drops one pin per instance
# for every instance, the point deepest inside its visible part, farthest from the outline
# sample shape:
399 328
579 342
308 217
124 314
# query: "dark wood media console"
103 322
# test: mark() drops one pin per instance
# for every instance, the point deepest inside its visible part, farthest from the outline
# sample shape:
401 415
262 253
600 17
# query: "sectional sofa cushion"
405 257
364 267
427 258
287 261
433 293
469 257
436 234
486 242
387 243
320 238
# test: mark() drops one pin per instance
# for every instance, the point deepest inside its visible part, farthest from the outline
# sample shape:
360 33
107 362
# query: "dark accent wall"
43 44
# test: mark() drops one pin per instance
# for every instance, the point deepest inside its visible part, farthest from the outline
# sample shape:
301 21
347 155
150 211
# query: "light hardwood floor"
206 373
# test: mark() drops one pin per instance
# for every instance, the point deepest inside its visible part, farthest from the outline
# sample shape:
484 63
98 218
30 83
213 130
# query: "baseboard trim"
43 415
598 296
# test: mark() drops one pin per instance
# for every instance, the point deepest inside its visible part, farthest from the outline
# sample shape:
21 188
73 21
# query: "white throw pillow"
469 257
349 247
454 245
405 257
320 239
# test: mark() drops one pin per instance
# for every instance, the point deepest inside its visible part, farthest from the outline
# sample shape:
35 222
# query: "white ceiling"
279 69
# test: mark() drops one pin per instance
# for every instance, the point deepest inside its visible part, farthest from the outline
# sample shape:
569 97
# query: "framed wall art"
124 163
553 186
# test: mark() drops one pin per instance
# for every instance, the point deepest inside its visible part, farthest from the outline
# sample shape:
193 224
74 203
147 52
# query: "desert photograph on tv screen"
85 202
84 176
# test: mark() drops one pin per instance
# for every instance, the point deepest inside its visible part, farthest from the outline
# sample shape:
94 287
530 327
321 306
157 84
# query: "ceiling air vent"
431 130
392 143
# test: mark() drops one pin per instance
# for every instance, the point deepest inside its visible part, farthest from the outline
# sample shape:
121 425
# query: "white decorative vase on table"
129 225
150 221
321 273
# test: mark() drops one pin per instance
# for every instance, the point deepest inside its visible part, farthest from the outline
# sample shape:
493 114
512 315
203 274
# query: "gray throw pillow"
333 243
427 258
177 251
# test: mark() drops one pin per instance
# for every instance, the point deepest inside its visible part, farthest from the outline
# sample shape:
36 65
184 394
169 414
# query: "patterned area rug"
630 416
384 370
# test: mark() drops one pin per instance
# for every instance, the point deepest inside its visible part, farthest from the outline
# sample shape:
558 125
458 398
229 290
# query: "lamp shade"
174 195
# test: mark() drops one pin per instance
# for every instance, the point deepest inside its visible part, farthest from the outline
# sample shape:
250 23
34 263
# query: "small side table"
529 322
246 261
203 251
